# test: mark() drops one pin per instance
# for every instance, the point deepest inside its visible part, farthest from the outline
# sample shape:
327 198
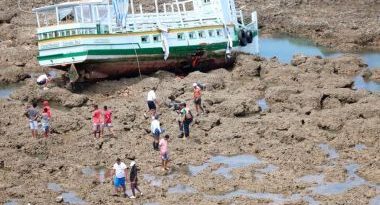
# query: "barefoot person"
107 122
197 98
119 177
96 120
164 152
156 131
152 102
133 179
45 122
32 114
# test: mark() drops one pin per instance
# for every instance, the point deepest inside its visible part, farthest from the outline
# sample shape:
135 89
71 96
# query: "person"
186 119
96 120
164 152
45 122
119 177
133 179
47 106
43 79
156 131
152 102
197 98
32 114
107 122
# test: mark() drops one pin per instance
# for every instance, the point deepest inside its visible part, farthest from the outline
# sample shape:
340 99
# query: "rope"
138 63
19 8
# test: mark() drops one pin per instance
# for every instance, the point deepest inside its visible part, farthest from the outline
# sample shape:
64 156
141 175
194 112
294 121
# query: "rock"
20 64
298 60
375 76
59 199
7 16
246 68
1 164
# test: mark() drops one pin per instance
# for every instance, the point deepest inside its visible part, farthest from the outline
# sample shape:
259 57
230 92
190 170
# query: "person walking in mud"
164 152
32 114
107 120
97 121
156 131
186 120
152 102
133 179
197 94
118 177
45 122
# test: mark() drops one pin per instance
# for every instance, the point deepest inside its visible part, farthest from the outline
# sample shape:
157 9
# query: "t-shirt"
96 117
155 125
163 146
107 116
119 169
48 111
185 112
151 96
32 113
42 78
197 92
133 173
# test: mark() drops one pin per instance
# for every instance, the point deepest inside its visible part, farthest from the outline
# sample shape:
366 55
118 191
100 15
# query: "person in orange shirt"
96 120
47 106
197 98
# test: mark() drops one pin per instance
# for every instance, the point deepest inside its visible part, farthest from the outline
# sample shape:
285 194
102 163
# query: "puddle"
317 179
153 180
352 181
72 198
360 147
54 187
98 173
375 201
11 202
7 90
361 84
269 169
329 151
262 104
181 189
195 170
233 162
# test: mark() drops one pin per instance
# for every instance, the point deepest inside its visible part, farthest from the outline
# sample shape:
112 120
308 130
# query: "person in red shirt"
96 120
107 122
197 98
47 106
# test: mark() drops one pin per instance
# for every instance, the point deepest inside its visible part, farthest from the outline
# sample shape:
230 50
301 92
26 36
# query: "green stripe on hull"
179 51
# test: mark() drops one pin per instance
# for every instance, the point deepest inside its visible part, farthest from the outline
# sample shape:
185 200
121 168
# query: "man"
164 152
197 98
119 176
187 119
156 131
32 114
43 80
107 115
152 102
133 179
96 120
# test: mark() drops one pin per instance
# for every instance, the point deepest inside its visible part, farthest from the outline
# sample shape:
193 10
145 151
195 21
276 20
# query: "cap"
194 84
132 163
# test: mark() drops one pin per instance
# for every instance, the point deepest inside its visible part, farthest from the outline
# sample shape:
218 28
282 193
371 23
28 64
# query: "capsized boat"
97 39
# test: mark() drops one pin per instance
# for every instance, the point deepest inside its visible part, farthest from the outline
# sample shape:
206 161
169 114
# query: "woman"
133 179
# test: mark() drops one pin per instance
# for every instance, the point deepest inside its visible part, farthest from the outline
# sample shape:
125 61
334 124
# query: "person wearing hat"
119 176
133 179
197 98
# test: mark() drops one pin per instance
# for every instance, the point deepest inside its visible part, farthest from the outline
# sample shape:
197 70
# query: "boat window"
192 35
180 36
145 39
202 34
211 33
219 32
157 38
206 1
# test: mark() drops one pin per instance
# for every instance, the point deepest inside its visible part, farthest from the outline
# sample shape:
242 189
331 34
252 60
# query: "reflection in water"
181 189
361 84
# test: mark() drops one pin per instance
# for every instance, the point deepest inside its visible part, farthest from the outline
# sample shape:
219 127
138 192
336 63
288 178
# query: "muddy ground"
311 105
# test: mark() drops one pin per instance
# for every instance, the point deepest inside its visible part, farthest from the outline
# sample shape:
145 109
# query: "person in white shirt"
43 79
119 176
152 101
156 131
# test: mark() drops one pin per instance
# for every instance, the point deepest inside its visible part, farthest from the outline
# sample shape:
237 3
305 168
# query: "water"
329 151
375 201
6 91
233 162
181 189
54 187
153 180
99 173
262 104
317 179
72 198
195 170
361 84
269 169
12 202
360 147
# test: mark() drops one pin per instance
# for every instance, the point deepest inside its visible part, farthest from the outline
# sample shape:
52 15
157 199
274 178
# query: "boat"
98 39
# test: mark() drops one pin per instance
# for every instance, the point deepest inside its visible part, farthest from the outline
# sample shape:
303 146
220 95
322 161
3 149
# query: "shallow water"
181 189
361 84
360 147
153 180
54 187
72 198
233 162
6 91
195 170
375 201
11 202
329 151
262 104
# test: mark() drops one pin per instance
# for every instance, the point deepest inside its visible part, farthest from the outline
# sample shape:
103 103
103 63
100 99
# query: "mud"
314 122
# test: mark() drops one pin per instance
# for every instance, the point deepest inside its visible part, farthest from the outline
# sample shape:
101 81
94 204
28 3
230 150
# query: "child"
47 106
45 122
107 114
133 179
164 152
32 114
96 120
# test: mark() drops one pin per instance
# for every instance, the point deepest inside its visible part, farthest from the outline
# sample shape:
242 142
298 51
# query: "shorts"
151 105
119 182
108 125
41 82
96 127
33 125
165 156
198 101
45 128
